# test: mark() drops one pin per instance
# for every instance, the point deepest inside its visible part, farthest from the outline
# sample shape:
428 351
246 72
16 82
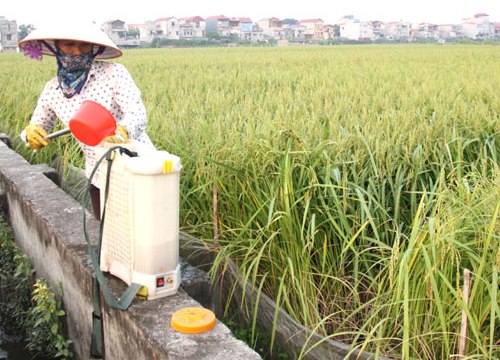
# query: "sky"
132 12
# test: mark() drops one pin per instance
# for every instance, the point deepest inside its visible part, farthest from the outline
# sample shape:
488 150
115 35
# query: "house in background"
397 31
192 27
292 30
167 28
314 29
423 31
329 31
478 26
448 31
246 24
272 28
350 28
378 28
249 31
366 32
240 27
218 25
8 34
116 31
145 31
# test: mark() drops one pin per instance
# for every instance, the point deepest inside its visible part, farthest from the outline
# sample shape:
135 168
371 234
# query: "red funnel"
92 123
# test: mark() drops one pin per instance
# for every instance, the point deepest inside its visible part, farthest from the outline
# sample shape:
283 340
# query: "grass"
28 308
355 184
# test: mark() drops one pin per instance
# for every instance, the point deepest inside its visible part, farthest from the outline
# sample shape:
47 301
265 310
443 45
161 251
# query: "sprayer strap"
100 281
96 341
126 298
129 294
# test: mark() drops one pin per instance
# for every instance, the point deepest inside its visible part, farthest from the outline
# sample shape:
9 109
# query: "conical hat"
84 31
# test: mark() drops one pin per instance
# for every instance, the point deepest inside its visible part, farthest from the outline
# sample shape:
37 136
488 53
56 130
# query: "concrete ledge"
47 225
5 139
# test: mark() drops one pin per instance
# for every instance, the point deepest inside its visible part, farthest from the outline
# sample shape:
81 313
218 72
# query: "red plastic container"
92 123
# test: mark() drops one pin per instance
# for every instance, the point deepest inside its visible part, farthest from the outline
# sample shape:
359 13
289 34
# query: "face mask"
75 63
72 71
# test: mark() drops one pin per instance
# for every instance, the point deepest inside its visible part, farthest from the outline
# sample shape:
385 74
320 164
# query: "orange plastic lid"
193 320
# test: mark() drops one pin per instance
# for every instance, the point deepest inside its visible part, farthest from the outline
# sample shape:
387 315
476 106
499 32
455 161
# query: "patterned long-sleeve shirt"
109 84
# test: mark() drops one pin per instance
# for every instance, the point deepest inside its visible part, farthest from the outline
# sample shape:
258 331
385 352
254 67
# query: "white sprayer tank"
141 226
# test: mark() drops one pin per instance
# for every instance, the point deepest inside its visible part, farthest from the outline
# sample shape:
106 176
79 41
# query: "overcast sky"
139 11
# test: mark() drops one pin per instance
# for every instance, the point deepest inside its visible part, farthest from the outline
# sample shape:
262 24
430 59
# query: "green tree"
24 30
133 33
290 22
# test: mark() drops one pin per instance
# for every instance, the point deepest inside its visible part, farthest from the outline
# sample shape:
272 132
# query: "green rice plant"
354 183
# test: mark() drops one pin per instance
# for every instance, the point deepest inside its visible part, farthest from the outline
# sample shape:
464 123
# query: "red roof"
166 18
310 21
192 19
245 20
217 17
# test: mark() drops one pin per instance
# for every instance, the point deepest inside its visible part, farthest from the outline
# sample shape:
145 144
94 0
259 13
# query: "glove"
121 136
35 135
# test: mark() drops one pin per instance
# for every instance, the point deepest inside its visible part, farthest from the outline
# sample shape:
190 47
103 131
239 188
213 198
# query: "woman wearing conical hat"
78 49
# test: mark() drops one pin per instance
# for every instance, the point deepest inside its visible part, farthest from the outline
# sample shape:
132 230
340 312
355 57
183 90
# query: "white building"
478 26
218 25
353 29
116 31
192 27
272 28
167 28
397 31
313 28
8 34
146 30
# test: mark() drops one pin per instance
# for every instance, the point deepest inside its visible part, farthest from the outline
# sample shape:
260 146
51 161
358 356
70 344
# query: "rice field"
354 184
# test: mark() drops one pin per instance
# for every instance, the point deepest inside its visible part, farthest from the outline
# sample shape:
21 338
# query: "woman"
80 77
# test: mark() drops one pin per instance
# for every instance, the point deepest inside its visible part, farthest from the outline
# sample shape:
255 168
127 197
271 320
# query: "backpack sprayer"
140 213
139 232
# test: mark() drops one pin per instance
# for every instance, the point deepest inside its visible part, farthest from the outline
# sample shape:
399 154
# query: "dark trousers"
95 199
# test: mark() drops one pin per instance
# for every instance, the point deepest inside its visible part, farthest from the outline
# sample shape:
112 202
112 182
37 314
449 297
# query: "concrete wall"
47 225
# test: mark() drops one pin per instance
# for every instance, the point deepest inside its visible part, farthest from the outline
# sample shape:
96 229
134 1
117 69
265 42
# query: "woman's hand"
35 136
121 136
